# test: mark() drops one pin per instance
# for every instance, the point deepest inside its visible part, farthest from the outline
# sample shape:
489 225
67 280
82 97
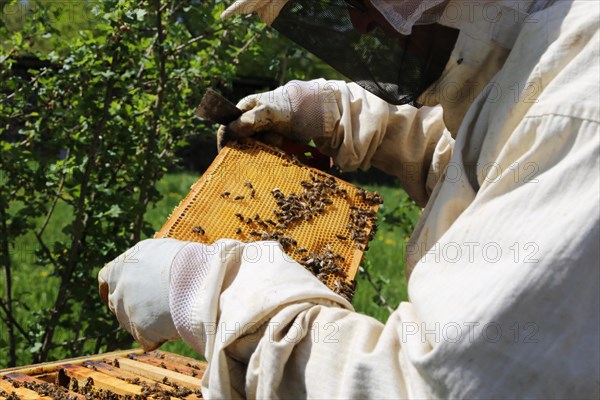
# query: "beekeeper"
504 263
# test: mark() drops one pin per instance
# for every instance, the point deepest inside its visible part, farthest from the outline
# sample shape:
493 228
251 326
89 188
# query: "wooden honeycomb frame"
265 168
121 374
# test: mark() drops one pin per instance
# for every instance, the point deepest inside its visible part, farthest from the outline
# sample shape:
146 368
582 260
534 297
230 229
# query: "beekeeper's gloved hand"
297 111
147 288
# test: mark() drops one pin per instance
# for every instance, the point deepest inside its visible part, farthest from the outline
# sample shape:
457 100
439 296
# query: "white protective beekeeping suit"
504 284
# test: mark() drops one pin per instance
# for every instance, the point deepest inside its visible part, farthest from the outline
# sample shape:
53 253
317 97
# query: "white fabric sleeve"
514 314
270 329
188 271
360 130
506 302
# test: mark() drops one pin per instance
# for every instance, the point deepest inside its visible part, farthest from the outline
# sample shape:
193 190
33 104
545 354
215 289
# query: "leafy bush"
89 135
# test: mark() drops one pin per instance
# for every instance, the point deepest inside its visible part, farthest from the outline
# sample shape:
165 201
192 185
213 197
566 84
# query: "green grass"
385 259
35 288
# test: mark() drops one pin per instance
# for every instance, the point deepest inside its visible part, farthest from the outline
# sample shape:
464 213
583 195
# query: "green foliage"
282 60
44 25
84 142
381 282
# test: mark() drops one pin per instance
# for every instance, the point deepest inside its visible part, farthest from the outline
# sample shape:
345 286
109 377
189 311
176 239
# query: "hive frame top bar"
52 366
130 373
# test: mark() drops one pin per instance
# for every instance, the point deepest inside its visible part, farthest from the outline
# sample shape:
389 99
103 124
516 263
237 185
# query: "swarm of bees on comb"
313 200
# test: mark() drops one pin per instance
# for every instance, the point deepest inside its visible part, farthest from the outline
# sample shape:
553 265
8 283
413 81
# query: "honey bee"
341 237
277 193
239 198
198 229
240 216
248 184
225 195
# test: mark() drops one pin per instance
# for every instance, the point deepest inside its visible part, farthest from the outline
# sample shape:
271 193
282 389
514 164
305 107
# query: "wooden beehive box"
256 192
124 374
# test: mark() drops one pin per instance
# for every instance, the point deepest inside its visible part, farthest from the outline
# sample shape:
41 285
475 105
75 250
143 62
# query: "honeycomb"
128 374
248 179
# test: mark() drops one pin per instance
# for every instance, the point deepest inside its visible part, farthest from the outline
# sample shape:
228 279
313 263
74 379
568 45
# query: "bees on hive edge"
198 229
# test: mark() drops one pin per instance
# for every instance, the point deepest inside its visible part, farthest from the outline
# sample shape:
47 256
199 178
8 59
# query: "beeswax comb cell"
256 192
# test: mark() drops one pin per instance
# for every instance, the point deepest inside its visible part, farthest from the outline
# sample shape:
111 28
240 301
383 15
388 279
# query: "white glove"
267 10
296 111
138 286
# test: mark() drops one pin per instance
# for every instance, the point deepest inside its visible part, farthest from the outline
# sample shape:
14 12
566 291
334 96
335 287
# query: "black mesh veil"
397 70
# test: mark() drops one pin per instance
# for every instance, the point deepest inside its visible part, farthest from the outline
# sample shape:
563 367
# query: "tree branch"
10 53
40 232
152 146
12 354
47 251
382 299
80 221
197 39
11 320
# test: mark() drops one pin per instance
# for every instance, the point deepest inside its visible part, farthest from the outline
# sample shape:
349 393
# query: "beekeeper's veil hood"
396 69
